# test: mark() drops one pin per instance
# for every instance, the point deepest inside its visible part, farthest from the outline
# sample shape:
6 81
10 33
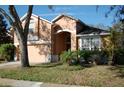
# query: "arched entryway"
62 42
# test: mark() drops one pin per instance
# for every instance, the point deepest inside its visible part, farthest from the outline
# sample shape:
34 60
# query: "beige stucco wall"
67 24
50 41
44 31
39 50
39 53
23 23
15 39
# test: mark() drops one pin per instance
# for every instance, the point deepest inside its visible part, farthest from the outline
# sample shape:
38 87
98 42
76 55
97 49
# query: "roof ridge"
63 14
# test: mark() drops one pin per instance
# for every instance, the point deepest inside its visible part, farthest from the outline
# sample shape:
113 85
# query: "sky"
85 13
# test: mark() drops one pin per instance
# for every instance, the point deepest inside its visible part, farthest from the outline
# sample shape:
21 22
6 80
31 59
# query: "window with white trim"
90 43
32 26
32 35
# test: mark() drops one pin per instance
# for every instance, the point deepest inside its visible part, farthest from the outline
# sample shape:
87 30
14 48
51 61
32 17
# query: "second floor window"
32 35
32 26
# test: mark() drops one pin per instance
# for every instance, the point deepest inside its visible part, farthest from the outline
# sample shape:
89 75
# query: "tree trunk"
20 31
24 53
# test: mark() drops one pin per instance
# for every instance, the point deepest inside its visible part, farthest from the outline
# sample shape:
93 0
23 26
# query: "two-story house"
48 39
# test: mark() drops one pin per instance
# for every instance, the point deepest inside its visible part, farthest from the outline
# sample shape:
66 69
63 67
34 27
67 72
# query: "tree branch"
16 18
27 21
6 16
12 23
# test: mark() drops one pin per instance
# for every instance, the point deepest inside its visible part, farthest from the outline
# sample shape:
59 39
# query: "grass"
72 75
5 86
1 62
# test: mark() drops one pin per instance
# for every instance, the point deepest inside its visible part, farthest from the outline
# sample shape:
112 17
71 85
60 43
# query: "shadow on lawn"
59 66
70 68
48 65
119 70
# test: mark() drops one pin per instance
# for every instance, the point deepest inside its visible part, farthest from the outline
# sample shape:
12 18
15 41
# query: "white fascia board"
64 30
101 34
56 18
85 35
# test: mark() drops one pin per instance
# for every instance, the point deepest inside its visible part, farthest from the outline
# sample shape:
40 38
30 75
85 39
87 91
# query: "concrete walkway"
10 64
14 64
22 83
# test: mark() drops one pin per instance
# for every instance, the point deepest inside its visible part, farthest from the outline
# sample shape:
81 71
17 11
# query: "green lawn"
72 75
5 86
1 62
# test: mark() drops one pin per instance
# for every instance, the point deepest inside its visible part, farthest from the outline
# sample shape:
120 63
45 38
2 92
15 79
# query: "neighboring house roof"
88 29
23 17
92 31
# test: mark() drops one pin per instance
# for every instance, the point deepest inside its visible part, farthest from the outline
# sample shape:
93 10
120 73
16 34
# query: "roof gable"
63 15
35 16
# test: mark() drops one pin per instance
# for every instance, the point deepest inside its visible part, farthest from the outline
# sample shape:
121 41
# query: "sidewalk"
22 83
19 83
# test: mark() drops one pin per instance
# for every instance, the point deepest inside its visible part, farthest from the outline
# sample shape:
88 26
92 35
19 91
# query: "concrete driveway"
10 64
15 64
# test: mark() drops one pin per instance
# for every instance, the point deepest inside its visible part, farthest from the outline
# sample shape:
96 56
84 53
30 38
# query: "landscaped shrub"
118 57
85 54
84 57
69 57
104 57
7 52
99 57
65 56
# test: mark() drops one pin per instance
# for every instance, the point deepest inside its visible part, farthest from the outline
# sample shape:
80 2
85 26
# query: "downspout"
38 28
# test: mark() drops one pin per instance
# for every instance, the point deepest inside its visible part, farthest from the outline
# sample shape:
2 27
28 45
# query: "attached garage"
39 53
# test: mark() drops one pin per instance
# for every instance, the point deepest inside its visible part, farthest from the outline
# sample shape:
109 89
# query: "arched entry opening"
62 42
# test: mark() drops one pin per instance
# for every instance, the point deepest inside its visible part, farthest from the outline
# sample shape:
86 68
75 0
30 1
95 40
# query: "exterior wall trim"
101 34
35 42
64 30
